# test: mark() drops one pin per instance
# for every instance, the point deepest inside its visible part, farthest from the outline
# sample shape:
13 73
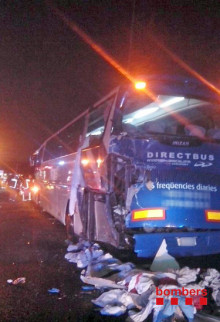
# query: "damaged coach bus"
140 166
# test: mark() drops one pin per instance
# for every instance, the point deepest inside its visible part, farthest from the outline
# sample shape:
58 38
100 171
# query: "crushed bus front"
173 154
177 203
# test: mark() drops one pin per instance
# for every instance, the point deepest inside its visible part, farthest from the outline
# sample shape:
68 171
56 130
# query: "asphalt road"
32 245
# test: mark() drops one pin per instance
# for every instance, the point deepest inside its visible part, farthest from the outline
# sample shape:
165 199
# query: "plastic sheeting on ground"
162 260
131 291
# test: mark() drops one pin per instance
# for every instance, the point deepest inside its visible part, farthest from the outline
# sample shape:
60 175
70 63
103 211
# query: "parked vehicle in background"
140 166
18 186
25 188
4 193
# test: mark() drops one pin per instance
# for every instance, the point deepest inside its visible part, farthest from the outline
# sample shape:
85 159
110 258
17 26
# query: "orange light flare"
85 162
99 162
185 66
107 57
97 48
35 189
140 85
8 167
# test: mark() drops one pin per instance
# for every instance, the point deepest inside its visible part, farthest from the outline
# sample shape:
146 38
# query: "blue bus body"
149 169
186 184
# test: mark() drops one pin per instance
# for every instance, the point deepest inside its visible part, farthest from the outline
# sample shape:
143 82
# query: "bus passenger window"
70 137
66 142
98 117
50 149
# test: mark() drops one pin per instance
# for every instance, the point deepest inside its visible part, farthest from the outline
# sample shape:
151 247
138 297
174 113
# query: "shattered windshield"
171 115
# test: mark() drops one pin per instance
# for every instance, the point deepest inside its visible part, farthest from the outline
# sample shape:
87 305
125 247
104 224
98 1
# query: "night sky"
48 74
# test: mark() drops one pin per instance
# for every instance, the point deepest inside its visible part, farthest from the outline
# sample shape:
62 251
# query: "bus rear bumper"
178 244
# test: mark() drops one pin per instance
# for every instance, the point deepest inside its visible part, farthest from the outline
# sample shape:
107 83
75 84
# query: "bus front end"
177 201
171 148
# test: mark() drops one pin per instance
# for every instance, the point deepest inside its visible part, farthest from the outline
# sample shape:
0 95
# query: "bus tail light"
213 215
85 162
148 214
35 189
99 162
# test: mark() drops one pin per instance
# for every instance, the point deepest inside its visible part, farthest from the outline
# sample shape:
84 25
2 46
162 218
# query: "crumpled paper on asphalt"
82 254
211 278
187 275
115 310
132 291
100 282
140 283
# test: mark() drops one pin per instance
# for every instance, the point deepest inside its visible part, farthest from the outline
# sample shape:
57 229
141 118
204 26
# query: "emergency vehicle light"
140 85
148 214
35 189
213 215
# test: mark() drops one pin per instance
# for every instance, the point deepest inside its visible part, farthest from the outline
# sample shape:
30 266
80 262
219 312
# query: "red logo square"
203 301
159 300
174 301
188 301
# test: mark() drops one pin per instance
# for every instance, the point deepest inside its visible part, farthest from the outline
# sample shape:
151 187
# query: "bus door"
93 162
95 147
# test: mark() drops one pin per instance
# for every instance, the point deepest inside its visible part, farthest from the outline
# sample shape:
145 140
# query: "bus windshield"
171 115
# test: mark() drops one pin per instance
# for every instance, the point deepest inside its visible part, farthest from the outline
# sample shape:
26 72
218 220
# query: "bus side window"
70 137
98 117
51 150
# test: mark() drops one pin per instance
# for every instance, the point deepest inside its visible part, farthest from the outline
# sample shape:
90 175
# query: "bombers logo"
190 296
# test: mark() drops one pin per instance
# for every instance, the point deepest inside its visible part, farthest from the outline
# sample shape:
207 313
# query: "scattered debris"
211 279
113 310
54 291
88 288
19 280
133 291
187 275
100 283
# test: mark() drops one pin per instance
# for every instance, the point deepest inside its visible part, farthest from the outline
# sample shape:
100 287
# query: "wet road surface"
32 245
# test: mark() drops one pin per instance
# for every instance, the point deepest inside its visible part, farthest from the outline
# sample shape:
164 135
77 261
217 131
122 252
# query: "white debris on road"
132 291
211 278
100 282
187 275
